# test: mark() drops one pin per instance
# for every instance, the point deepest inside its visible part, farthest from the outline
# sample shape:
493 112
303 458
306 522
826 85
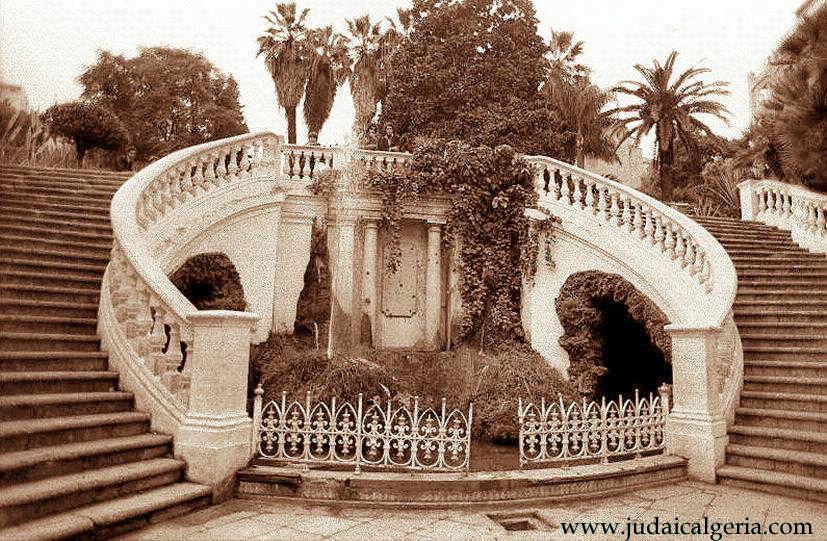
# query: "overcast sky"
45 44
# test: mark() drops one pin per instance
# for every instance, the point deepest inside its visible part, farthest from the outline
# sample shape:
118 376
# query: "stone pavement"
689 501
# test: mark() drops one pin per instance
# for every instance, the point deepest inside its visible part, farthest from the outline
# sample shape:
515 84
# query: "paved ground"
688 501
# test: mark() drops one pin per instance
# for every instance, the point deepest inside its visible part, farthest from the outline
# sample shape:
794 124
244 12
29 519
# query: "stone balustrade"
792 208
307 162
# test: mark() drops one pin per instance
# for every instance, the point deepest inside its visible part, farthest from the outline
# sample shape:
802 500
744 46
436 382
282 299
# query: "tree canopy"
88 125
167 98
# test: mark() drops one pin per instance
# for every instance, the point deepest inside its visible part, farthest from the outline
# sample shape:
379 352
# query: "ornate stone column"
294 246
369 266
696 428
433 285
214 438
342 249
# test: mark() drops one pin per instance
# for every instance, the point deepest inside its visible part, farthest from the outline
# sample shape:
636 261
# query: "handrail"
672 233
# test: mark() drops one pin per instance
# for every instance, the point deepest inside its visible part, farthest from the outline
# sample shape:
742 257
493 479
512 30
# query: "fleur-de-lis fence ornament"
360 434
558 432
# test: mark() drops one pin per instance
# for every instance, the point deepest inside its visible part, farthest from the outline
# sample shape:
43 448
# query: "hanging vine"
498 246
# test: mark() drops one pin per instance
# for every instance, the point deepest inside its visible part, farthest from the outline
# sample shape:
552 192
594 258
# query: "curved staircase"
778 442
76 459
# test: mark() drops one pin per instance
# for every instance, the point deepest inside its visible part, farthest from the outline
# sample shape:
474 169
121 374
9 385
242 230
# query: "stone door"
401 311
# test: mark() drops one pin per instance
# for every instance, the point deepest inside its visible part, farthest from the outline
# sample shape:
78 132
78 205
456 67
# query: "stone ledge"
450 489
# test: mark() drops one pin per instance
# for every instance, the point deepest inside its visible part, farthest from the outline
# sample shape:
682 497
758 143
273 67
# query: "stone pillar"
369 266
214 437
341 240
696 428
433 285
749 202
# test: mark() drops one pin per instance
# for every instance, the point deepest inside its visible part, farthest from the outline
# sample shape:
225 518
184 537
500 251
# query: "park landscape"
482 297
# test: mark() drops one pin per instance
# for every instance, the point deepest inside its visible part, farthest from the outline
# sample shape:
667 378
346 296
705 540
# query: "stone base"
214 449
701 440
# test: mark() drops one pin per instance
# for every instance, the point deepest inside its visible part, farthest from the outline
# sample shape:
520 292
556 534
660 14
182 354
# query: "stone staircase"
778 442
76 459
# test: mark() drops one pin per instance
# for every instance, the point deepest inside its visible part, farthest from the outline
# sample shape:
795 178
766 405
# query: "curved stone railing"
793 208
307 162
651 226
145 322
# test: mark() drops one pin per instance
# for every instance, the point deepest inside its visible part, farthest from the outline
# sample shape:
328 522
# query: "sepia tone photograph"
409 270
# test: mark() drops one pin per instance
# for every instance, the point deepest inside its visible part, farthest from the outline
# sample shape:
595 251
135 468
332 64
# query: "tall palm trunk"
291 124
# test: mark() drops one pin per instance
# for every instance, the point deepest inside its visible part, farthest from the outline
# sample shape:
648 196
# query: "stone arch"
211 282
605 321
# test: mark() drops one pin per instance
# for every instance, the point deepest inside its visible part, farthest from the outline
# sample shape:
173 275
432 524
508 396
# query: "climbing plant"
496 245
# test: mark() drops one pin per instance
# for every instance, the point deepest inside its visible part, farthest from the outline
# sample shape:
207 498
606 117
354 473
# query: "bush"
88 125
493 382
210 282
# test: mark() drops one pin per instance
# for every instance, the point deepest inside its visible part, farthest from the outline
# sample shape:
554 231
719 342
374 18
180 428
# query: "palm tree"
329 67
563 56
670 108
284 46
581 107
366 80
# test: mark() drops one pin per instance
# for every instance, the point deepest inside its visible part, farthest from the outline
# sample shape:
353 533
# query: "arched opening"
614 336
210 282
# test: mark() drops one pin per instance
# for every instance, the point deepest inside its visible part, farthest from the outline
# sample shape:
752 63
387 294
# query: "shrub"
210 282
88 125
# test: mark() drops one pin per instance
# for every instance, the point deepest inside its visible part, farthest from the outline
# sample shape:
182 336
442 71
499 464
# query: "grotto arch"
210 281
614 336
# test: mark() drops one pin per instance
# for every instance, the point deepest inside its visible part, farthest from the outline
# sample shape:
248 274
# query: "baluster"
786 206
157 340
616 209
555 175
198 180
210 178
302 162
637 221
779 205
602 206
233 169
680 247
812 217
245 164
689 258
669 239
590 195
626 217
221 169
649 228
698 264
578 194
564 189
657 239
820 220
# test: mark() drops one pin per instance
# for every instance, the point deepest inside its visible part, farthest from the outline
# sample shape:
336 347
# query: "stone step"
59 225
805 369
767 244
787 419
774 327
47 324
778 438
43 200
776 460
785 353
49 308
794 486
804 259
775 314
55 255
42 462
786 384
42 361
19 209
84 192
58 187
766 293
112 518
41 406
783 401
34 216
20 383
818 266
90 270
27 501
778 282
771 305
767 339
102 248
100 212
103 175
25 434
32 229
22 341
725 235
28 277
81 295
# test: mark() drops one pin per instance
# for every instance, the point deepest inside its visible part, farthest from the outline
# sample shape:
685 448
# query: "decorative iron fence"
556 432
368 433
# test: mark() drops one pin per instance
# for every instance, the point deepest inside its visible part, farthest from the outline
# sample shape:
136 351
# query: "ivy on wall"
497 245
582 321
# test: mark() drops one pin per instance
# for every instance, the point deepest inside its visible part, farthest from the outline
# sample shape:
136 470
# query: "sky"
46 44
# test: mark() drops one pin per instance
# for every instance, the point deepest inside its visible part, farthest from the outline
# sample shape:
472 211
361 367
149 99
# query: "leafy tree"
287 58
582 109
469 70
329 67
89 125
168 99
563 56
670 106
366 83
798 102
